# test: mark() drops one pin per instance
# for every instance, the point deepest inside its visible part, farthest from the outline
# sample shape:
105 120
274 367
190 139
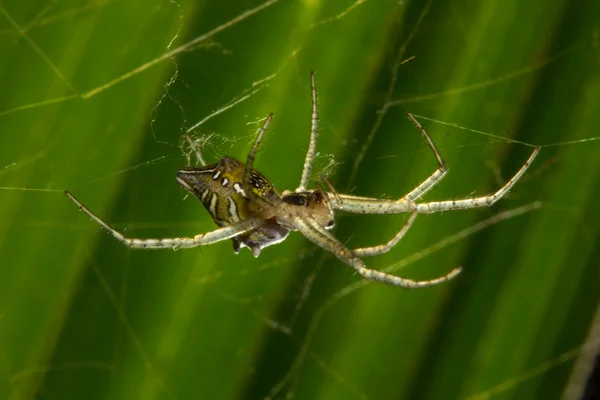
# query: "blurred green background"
83 317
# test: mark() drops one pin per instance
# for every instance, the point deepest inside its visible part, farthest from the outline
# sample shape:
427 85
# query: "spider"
249 210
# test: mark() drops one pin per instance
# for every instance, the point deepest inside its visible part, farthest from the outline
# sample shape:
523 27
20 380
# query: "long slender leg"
259 137
434 178
484 201
319 236
370 205
314 131
384 248
217 235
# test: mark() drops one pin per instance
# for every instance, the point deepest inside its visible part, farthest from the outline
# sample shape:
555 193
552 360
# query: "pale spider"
253 214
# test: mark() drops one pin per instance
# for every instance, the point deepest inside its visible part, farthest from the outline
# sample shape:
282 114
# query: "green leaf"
96 97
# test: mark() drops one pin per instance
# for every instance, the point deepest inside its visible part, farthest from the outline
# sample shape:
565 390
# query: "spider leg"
217 235
384 248
259 137
312 146
370 205
484 201
434 178
322 238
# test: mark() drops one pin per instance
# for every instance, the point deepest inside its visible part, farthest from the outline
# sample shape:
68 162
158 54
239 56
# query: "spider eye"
330 224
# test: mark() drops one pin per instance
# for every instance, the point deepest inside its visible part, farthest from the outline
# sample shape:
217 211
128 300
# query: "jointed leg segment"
484 201
368 205
434 178
384 248
318 235
314 131
203 239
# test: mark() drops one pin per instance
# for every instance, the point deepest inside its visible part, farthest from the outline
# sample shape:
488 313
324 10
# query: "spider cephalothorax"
313 203
248 209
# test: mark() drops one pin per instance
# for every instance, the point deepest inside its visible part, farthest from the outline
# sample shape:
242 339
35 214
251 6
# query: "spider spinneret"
249 210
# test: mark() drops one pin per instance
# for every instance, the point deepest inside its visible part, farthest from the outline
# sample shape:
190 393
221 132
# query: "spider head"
315 204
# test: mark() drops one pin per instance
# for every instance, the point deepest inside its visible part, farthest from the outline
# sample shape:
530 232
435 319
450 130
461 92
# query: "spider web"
295 322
